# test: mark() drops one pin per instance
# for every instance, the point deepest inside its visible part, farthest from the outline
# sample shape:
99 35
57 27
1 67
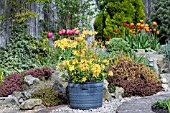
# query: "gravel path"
114 106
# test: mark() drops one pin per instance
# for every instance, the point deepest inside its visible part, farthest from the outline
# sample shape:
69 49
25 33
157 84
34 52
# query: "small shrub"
117 45
49 97
164 104
11 83
166 50
41 73
135 78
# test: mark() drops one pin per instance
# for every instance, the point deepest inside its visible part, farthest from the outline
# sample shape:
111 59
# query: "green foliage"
166 50
145 41
19 54
71 12
118 45
161 15
49 97
164 104
115 14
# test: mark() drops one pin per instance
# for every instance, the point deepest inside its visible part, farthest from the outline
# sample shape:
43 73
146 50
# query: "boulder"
9 101
30 104
30 80
27 93
107 96
118 94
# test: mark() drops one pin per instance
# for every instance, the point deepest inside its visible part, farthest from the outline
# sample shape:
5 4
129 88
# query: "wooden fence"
34 25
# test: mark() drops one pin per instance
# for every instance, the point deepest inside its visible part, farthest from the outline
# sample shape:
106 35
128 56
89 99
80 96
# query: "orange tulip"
157 32
142 21
154 24
130 31
138 24
154 30
142 26
146 25
132 25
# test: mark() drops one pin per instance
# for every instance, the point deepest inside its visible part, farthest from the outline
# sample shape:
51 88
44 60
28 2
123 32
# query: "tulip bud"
116 30
50 34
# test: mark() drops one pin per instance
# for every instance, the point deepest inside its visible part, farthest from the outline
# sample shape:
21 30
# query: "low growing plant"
15 81
166 50
49 97
164 104
118 45
135 78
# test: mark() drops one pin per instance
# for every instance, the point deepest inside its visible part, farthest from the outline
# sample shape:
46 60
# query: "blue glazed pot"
85 95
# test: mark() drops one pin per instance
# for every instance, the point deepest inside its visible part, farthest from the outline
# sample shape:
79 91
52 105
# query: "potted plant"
86 72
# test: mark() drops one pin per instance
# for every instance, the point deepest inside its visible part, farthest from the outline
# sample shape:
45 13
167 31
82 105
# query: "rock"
106 95
30 80
119 93
18 95
165 86
9 101
164 80
58 87
27 93
30 104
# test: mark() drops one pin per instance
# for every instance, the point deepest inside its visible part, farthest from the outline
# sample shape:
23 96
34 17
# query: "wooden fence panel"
34 25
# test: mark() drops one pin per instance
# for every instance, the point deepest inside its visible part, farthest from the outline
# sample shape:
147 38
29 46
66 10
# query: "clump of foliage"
11 83
114 13
19 54
49 97
164 104
166 50
135 78
41 73
15 81
161 14
118 45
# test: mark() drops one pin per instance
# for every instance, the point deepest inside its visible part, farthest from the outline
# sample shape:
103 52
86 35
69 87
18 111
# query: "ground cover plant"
15 81
49 97
163 106
135 78
166 50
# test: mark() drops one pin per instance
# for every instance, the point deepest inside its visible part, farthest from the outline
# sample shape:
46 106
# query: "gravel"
107 107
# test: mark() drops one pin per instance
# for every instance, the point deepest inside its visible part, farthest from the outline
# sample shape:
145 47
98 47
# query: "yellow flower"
65 62
84 79
96 73
74 61
110 73
71 67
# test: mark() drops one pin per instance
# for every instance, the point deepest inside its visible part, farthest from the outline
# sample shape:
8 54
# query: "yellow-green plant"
86 65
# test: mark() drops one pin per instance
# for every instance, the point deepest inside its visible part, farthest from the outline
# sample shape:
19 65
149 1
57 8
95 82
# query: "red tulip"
99 39
125 24
50 34
116 30
108 37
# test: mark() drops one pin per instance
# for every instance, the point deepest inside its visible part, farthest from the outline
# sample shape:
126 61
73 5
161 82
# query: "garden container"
85 95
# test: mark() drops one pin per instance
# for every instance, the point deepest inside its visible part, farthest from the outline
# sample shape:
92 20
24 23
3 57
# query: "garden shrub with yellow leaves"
85 65
135 78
